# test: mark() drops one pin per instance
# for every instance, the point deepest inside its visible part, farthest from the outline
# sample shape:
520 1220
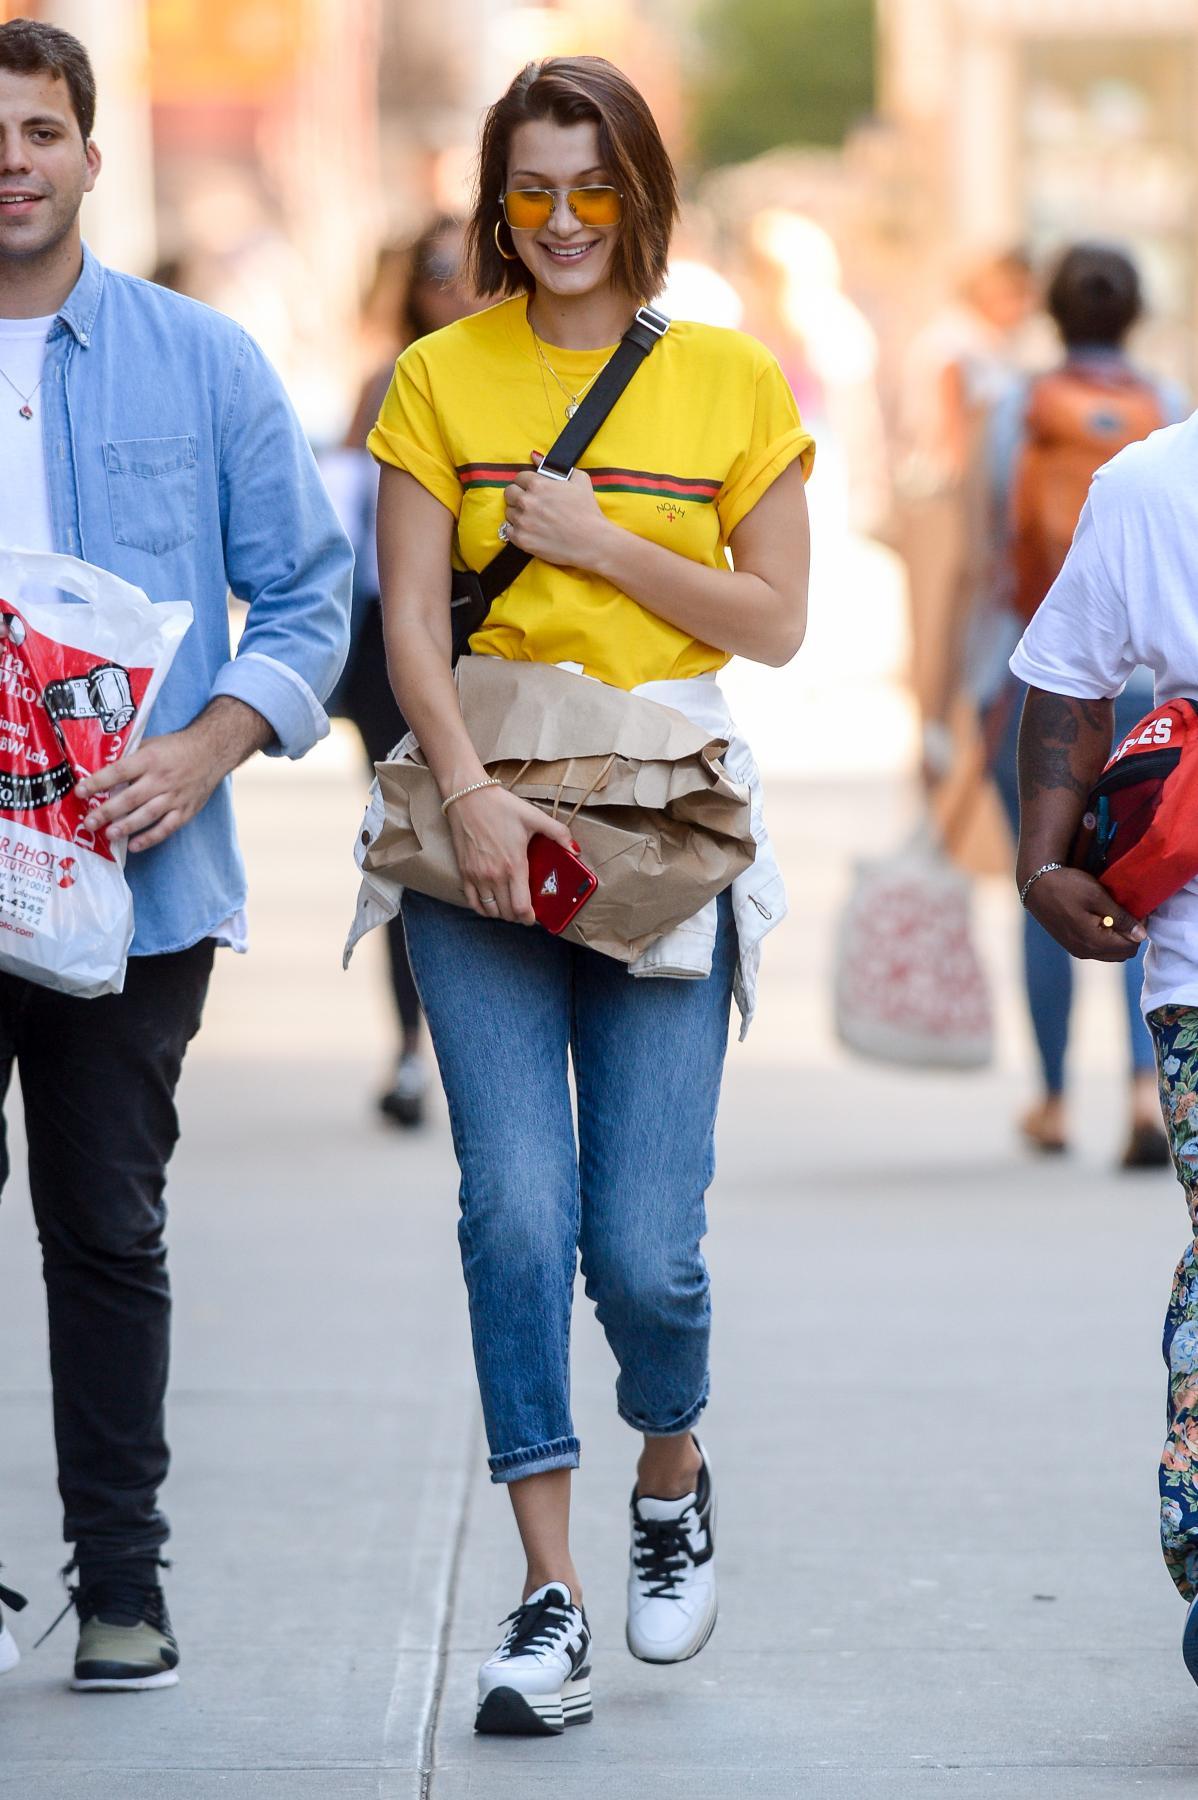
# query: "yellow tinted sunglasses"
528 209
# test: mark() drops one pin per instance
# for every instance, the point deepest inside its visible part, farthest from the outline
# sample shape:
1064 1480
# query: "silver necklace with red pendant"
25 410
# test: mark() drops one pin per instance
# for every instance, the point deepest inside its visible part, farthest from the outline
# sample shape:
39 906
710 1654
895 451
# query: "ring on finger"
502 532
488 900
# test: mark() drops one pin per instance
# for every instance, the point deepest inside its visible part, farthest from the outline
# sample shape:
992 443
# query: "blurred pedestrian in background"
1044 442
434 292
956 370
828 350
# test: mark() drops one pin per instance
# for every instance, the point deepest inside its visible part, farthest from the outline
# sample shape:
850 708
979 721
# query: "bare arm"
758 611
1063 747
415 533
490 829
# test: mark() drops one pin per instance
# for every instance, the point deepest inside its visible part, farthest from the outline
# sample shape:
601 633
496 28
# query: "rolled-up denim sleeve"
286 556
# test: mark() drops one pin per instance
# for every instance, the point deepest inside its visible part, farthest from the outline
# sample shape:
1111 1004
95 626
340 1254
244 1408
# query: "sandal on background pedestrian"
1147 1147
1043 1127
1043 1132
1147 1144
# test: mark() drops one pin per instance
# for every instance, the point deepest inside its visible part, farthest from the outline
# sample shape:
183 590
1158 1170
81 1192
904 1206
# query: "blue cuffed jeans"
508 1007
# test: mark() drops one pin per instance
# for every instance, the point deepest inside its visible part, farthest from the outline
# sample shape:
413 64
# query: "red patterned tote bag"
910 986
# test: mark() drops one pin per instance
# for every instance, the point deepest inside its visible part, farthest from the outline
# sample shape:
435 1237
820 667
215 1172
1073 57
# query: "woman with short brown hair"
702 456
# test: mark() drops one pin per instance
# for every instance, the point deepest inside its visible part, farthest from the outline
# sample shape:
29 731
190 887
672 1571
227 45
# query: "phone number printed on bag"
28 874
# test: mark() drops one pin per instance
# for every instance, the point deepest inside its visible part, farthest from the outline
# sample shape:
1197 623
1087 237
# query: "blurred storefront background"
845 165
1040 121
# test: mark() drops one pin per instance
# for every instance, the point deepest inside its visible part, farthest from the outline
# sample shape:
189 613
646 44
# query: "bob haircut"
570 90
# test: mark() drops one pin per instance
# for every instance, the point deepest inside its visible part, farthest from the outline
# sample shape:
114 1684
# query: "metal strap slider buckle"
655 322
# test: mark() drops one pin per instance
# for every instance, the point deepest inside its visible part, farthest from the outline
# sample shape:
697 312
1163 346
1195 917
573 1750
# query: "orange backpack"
1076 421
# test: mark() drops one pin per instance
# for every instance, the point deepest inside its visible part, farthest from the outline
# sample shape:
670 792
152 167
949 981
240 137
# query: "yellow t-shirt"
691 445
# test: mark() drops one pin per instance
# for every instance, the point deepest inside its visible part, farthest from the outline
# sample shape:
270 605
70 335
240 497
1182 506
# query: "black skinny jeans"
98 1079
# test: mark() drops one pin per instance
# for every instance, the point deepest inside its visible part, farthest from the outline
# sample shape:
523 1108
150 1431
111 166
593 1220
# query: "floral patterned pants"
1175 1030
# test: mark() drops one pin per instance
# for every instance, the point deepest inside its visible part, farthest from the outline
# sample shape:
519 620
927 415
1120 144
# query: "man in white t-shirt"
1127 595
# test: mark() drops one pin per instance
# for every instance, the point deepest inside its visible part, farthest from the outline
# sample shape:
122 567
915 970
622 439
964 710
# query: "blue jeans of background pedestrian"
1048 967
507 1007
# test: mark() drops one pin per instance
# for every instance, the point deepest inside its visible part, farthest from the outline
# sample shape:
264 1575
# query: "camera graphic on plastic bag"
104 693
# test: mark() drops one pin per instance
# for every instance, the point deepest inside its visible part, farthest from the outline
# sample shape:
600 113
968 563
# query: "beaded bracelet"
475 787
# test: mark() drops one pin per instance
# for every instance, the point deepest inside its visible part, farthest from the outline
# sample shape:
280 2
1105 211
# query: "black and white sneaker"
10 1656
672 1599
539 1679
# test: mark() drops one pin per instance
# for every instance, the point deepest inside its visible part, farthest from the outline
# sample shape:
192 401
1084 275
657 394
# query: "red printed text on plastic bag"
63 715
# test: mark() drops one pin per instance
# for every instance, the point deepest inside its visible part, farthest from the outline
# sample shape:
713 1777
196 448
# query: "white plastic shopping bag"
77 682
910 986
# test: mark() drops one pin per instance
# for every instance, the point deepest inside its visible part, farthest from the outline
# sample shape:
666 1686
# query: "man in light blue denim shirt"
148 435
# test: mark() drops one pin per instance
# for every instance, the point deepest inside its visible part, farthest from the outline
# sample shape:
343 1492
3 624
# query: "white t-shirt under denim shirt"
1128 595
24 495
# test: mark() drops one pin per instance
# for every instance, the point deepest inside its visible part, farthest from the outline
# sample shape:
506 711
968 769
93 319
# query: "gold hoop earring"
513 257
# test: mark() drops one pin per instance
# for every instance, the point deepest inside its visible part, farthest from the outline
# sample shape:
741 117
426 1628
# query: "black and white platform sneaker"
672 1599
539 1679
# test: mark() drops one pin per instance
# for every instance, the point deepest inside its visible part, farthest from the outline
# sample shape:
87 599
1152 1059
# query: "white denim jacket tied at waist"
758 893
685 953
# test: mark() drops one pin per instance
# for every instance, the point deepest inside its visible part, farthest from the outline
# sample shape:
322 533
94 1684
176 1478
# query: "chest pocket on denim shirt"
152 491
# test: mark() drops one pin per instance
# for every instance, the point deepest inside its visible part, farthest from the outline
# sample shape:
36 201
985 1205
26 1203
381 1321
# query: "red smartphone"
560 882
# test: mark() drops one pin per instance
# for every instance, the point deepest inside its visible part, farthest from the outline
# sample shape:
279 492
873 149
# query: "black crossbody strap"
646 329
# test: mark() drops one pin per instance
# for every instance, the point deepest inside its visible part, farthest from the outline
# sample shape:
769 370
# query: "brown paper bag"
644 791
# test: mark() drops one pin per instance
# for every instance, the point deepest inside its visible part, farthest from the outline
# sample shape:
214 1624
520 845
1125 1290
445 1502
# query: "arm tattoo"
1054 727
1046 768
1063 744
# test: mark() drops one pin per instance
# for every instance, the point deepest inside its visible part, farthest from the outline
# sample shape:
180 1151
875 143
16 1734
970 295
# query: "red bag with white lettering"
77 682
1139 832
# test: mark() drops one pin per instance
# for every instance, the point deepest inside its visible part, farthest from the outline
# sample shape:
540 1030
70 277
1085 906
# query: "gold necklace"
548 401
573 400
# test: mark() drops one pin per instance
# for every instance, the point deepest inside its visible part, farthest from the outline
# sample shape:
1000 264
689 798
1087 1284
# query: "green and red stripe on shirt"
611 481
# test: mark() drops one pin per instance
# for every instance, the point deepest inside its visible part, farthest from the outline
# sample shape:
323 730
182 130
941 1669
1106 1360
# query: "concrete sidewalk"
937 1408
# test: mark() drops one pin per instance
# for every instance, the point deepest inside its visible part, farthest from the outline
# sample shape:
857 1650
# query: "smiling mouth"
574 253
18 199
